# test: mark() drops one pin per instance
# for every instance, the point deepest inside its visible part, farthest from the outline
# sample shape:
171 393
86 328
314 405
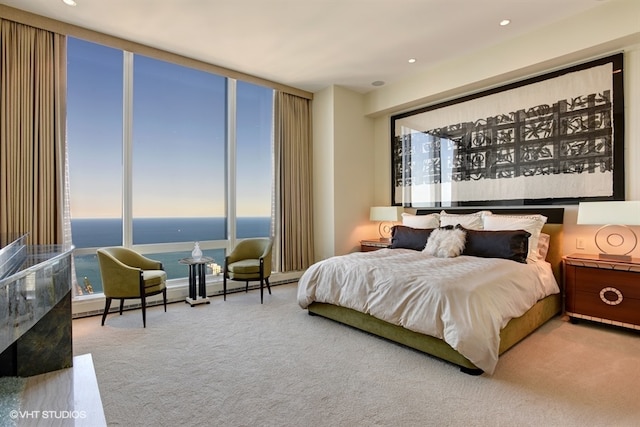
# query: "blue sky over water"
179 134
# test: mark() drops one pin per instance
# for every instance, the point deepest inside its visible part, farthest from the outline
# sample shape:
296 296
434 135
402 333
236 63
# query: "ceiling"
312 44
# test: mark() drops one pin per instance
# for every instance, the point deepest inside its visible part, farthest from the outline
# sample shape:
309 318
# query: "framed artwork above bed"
557 138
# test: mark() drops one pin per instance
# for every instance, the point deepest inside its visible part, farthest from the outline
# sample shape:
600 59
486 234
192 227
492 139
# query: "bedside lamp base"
618 238
613 257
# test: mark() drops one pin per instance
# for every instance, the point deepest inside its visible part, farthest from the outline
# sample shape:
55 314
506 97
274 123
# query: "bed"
406 329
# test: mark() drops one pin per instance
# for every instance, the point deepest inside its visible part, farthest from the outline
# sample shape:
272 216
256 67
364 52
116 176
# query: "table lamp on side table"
386 215
615 217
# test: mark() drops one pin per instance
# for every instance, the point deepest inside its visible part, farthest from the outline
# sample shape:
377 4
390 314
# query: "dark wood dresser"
602 290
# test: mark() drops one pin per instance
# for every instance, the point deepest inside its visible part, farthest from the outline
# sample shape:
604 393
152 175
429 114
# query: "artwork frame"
556 138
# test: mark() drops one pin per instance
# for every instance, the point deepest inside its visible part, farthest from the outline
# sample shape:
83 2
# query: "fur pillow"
445 242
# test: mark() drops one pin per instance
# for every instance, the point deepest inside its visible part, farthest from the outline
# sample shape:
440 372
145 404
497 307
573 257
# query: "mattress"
465 301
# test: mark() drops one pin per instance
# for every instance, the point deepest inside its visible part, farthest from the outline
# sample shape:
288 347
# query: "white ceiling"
312 44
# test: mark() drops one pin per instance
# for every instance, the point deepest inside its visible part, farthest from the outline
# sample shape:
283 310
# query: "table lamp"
614 239
387 215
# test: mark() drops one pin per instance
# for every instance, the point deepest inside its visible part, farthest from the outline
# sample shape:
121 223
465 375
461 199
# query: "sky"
179 119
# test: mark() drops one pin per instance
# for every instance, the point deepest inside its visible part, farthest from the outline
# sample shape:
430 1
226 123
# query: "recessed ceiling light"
505 22
69 2
412 60
378 83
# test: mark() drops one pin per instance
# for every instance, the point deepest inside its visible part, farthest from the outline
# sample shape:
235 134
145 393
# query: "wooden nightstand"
602 290
373 245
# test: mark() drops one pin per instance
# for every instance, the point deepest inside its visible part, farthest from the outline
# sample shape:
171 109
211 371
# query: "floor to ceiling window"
254 160
149 162
94 137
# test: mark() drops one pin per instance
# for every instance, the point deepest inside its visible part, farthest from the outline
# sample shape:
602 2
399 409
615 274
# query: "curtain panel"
293 157
32 111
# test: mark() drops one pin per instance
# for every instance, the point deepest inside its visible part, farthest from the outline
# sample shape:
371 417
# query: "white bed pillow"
531 223
445 243
421 221
543 246
471 221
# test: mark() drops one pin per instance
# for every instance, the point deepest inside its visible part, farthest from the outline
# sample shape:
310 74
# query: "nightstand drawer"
593 280
618 308
602 291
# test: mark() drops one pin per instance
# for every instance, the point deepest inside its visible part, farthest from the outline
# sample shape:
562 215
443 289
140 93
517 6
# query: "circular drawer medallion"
615 291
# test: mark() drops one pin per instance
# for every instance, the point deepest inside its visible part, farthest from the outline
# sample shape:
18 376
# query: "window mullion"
127 150
231 161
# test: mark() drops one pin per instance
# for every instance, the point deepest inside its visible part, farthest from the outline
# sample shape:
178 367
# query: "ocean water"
95 233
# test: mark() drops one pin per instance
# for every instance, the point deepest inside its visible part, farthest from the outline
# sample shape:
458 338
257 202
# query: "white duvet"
465 300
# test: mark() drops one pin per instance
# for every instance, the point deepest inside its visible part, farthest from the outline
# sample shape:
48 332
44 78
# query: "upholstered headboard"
553 227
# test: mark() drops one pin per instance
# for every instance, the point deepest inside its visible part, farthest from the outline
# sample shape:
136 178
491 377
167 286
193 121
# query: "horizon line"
172 217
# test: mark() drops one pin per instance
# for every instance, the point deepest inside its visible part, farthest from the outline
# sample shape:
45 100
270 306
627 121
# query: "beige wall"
343 176
354 155
323 176
607 29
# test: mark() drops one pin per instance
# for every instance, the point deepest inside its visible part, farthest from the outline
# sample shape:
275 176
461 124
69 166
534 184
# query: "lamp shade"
617 213
385 213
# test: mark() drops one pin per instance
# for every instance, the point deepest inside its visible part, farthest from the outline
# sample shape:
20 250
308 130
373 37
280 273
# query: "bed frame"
516 330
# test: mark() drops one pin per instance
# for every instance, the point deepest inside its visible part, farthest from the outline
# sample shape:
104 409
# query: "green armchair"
126 274
249 261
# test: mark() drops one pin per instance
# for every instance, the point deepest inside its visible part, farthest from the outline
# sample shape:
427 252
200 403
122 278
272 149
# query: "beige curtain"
32 105
293 166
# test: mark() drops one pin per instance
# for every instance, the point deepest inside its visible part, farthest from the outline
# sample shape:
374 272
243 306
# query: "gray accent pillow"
506 244
409 238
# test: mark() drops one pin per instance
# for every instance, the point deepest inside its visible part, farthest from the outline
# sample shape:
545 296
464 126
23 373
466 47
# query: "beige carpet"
239 363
